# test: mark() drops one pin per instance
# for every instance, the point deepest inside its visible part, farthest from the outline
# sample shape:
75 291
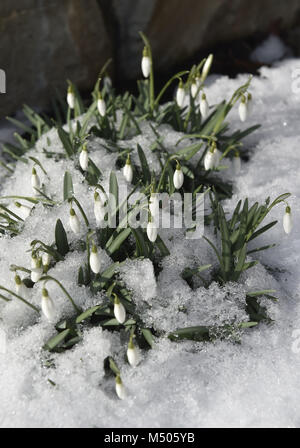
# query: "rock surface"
42 43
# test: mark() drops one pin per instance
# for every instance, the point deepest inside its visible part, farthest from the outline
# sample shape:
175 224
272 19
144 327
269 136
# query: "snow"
252 383
270 50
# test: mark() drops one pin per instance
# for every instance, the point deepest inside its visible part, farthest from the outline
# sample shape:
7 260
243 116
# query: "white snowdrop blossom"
212 158
71 97
74 221
21 289
35 180
128 171
207 66
84 158
178 177
132 353
24 210
243 109
99 209
151 231
34 261
120 389
47 305
46 259
101 105
204 107
287 220
180 94
119 310
194 89
236 163
95 263
154 205
37 272
146 63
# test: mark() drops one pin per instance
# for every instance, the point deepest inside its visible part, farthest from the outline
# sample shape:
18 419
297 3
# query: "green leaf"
65 139
116 243
148 336
144 165
93 173
61 239
68 186
86 314
200 333
57 339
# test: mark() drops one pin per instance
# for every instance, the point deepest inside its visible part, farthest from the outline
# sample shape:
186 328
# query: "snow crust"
248 384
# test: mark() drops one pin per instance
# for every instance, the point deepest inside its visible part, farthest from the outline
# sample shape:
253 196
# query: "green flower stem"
49 277
20 298
81 211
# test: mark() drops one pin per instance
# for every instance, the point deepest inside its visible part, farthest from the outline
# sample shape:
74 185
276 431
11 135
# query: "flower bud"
101 105
287 220
71 97
146 63
120 389
84 158
99 209
154 205
119 310
95 263
151 231
204 107
46 259
127 170
21 289
24 210
48 307
74 221
180 94
178 177
194 89
207 66
243 109
132 353
36 273
212 158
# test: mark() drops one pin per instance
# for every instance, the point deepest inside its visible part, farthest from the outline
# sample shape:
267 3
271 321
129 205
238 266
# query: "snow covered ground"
251 384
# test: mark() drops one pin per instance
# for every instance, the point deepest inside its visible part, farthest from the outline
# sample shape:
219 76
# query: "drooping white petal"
151 231
154 205
99 209
71 100
133 355
209 160
243 111
48 306
180 96
84 159
46 259
204 107
120 389
95 263
101 107
287 221
194 89
119 312
74 222
178 178
128 172
36 274
146 66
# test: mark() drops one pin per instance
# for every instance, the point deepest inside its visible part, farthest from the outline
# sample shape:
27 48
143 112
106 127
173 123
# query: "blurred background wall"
44 42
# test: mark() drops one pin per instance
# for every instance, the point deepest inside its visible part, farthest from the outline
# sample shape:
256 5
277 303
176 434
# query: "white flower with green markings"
74 221
48 306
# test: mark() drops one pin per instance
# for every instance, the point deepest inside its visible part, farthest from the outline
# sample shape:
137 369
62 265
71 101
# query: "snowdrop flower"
204 108
46 259
178 177
21 289
74 221
71 97
120 389
23 209
84 158
243 109
287 220
151 230
119 310
236 163
101 105
127 170
132 353
99 209
207 66
154 205
180 94
34 261
35 180
146 63
212 158
37 272
194 88
48 307
95 263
